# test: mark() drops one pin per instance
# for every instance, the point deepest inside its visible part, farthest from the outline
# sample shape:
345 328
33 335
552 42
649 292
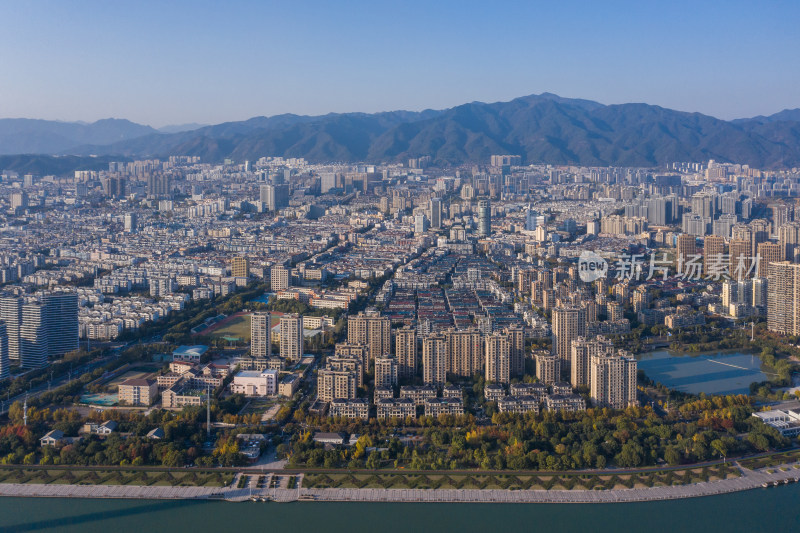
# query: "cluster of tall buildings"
39 326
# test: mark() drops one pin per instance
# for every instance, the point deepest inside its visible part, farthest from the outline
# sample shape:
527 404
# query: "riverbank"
273 488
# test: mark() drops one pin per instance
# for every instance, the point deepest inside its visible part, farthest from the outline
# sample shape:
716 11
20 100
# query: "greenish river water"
772 510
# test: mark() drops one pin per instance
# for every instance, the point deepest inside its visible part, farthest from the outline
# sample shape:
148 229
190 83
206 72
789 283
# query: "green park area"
190 478
578 481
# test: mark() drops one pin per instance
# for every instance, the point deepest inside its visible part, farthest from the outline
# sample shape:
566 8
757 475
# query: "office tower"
240 267
783 298
33 336
582 351
261 334
335 384
740 258
464 351
548 368
279 278
292 337
434 360
713 250
405 350
436 213
274 197
686 249
789 240
484 218
130 222
11 314
516 338
612 380
385 372
373 331
768 252
498 358
61 322
4 361
569 323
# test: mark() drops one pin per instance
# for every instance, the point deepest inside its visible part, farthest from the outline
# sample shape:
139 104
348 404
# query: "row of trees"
596 438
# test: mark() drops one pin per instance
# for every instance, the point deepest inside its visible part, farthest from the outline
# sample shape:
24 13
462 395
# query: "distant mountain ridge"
33 136
543 128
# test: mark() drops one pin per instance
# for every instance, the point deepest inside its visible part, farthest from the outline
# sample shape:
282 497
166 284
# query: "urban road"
272 487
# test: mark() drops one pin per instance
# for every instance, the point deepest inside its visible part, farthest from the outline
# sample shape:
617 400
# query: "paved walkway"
749 480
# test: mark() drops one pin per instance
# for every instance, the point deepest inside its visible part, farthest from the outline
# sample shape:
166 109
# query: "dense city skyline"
183 63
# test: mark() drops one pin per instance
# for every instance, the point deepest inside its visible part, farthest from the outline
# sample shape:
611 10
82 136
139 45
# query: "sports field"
236 326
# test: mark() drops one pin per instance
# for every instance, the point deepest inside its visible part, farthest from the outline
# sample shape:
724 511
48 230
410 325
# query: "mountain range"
541 128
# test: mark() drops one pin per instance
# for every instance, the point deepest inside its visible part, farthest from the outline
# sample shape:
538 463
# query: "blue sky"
173 62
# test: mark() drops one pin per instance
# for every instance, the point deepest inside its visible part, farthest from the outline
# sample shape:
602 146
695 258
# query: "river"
773 509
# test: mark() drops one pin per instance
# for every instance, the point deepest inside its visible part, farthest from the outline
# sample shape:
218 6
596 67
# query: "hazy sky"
171 62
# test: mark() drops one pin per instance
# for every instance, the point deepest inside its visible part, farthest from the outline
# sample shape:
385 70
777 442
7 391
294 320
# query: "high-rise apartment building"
373 331
516 339
484 218
548 368
686 248
789 240
405 350
385 372
261 334
61 322
582 351
783 298
569 323
292 337
464 351
4 361
713 254
767 252
130 222
740 257
240 267
612 380
498 358
435 208
335 384
274 197
11 314
33 337
434 360
279 278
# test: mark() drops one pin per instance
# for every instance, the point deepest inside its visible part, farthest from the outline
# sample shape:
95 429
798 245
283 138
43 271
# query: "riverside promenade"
748 480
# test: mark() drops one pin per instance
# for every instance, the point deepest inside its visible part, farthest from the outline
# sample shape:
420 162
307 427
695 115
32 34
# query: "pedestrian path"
288 488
